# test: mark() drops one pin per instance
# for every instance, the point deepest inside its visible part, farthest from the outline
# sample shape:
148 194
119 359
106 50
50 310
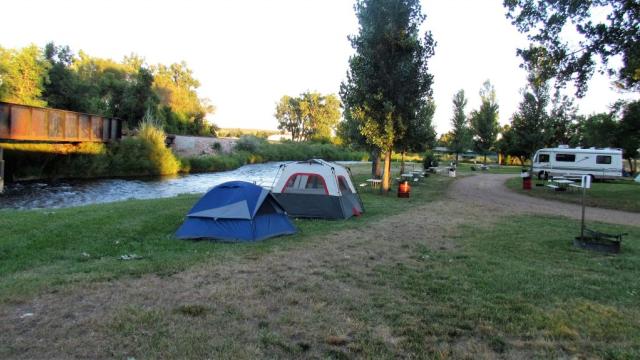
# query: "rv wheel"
543 175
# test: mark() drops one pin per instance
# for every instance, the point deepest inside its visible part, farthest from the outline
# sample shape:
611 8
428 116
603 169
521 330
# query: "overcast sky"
247 54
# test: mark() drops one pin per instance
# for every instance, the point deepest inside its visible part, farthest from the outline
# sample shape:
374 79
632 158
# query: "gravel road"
489 191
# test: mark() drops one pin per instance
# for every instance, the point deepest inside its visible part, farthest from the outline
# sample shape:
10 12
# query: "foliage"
237 132
619 36
308 116
563 120
629 132
530 125
23 74
388 87
249 143
57 78
484 122
598 130
460 138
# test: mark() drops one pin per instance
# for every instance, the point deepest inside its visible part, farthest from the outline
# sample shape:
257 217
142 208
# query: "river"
45 195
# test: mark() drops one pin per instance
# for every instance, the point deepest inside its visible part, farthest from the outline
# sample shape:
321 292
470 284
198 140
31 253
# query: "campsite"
359 179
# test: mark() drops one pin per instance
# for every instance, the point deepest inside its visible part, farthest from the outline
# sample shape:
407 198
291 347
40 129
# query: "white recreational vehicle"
597 162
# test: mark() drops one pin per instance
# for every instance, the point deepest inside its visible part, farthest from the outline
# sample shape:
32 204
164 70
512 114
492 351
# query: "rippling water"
73 193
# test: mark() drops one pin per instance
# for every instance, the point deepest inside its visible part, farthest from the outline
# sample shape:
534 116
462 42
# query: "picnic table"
374 183
559 184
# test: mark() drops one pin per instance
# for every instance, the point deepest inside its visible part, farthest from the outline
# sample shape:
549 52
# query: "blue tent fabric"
236 211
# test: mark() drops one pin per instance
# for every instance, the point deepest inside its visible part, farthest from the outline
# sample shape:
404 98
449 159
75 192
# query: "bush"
249 143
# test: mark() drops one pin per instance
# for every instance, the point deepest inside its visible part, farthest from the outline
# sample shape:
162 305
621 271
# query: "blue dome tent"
236 211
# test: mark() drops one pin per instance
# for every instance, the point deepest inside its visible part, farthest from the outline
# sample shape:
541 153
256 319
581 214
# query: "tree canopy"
484 121
460 138
388 86
54 76
545 22
310 116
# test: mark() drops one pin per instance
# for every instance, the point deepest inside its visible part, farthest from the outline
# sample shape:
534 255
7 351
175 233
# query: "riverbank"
146 156
439 275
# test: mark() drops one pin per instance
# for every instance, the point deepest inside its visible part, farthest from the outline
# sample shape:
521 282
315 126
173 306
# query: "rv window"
566 157
603 159
543 158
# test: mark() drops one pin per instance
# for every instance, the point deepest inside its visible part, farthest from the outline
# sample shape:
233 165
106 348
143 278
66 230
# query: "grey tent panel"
318 206
238 210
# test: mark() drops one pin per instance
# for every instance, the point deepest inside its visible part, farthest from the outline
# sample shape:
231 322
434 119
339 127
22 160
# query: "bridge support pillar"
1 172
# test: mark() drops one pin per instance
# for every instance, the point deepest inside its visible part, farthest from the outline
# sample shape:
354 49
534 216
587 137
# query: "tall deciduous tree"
618 35
23 74
530 125
388 85
311 116
629 133
460 140
563 121
484 121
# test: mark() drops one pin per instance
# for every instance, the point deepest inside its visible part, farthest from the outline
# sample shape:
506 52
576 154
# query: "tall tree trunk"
485 159
386 178
402 163
457 158
632 169
375 163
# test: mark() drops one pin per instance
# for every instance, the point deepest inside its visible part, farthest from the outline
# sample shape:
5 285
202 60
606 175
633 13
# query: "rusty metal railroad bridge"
30 124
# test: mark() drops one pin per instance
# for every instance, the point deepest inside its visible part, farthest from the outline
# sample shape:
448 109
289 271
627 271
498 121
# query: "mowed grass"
517 289
42 250
618 194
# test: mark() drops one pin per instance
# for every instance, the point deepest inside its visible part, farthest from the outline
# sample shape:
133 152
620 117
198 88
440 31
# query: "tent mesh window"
305 184
344 187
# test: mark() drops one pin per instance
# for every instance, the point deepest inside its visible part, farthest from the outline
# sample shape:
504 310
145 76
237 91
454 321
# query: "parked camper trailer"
565 161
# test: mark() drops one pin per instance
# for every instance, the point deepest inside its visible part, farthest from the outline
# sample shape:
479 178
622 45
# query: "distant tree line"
55 77
310 116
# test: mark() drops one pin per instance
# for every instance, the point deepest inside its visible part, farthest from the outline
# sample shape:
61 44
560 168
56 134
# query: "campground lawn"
617 195
425 277
41 250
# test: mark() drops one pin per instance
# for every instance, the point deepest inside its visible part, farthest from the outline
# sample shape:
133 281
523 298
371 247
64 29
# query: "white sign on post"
586 182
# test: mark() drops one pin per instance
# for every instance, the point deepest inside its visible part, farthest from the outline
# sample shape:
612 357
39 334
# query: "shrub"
249 143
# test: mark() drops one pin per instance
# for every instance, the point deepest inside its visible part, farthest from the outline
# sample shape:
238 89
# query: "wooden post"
1 172
584 192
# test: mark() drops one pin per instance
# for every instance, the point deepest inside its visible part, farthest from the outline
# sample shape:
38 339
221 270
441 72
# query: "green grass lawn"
43 249
618 195
519 286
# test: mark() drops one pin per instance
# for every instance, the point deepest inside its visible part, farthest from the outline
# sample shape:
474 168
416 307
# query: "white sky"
247 54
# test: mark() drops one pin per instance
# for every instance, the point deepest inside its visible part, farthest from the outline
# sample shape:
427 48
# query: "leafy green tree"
508 146
618 35
460 139
309 116
530 125
23 74
421 135
598 130
484 121
388 85
563 120
629 133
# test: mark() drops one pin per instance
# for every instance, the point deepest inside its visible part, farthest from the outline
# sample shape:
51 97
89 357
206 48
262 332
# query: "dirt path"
489 191
268 305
